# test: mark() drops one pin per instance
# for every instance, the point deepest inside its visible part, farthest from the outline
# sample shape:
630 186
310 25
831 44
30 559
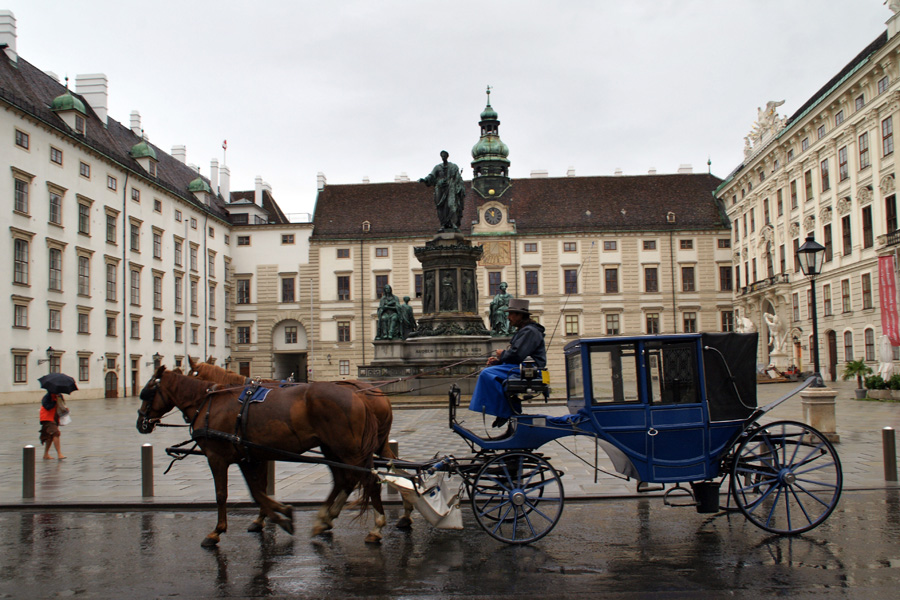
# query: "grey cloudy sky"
374 88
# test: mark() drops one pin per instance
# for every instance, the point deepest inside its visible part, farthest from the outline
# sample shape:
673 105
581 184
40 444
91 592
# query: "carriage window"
614 374
574 377
673 373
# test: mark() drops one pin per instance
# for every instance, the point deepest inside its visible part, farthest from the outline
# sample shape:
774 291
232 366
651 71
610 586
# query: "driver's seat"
528 383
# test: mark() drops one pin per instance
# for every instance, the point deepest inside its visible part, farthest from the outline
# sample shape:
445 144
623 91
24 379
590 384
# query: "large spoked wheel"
786 477
517 497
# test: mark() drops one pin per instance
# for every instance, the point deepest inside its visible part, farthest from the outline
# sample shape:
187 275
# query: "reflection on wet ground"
624 548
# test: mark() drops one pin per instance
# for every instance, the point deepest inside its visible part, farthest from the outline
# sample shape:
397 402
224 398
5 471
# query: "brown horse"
378 403
291 419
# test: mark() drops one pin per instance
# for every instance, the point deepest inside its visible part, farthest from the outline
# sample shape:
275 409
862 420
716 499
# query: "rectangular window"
766 217
795 306
84 368
290 334
157 332
571 324
135 237
826 180
838 118
794 201
135 330
111 282
864 150
752 220
381 281
820 132
843 166
178 287
883 84
848 346
686 244
111 182
860 101
727 320
20 262
845 295
193 257
790 155
690 322
287 238
804 144
178 216
782 259
21 193
20 316
687 279
808 183
829 246
55 269
723 243
84 276
651 279
287 289
23 140
868 233
609 245
652 323
55 208
56 155
381 252
20 368
55 319
418 284
494 281
870 344
612 324
343 367
570 246
612 281
737 275
194 299
649 244
179 334
178 253
211 290
846 235
243 240
193 223
780 201
84 170
157 292
866 283
157 207
343 252
243 334
826 300
135 297
890 212
111 329
530 247
796 243
243 291
343 287
84 219
531 283
343 331
211 264
725 282
570 277
887 136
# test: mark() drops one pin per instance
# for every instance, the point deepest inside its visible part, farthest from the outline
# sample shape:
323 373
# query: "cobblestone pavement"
103 449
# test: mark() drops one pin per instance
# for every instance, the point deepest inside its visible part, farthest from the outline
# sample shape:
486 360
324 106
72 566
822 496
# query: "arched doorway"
289 350
831 338
112 385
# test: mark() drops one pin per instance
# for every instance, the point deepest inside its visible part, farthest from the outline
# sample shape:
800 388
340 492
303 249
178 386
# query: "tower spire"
490 165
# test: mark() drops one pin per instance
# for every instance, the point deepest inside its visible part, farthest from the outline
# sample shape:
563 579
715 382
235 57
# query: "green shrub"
875 382
894 382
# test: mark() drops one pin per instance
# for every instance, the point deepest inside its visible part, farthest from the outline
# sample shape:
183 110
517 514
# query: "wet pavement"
612 548
104 454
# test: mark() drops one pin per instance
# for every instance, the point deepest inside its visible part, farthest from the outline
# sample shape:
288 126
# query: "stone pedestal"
818 411
779 360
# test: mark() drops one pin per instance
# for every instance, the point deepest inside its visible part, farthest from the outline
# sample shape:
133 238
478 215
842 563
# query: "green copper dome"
199 185
143 150
490 147
488 113
68 102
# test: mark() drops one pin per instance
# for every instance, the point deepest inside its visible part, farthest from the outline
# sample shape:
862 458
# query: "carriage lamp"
811 255
157 357
50 352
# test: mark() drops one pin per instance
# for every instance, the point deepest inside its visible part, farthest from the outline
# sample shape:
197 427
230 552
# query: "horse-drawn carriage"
666 409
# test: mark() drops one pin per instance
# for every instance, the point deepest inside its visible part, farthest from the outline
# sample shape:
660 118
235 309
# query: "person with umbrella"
52 409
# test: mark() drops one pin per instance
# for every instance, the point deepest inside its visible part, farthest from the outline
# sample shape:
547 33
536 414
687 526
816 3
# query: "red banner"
887 291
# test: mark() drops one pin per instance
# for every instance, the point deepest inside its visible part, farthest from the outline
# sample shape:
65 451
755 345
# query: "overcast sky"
374 88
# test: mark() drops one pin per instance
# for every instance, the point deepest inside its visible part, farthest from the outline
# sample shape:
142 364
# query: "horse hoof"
373 539
255 527
287 526
320 529
209 542
404 523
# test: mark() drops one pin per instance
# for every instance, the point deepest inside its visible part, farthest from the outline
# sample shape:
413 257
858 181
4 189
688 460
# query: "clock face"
493 215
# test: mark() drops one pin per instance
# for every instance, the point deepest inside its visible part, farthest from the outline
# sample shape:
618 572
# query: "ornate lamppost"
812 256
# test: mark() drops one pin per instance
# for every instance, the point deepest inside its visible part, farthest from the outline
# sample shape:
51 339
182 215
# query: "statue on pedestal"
388 316
449 192
499 316
407 320
777 332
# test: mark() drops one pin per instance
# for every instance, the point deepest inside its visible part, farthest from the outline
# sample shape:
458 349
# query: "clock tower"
490 165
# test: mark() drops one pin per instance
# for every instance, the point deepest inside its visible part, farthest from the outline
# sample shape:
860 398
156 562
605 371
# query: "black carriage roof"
627 339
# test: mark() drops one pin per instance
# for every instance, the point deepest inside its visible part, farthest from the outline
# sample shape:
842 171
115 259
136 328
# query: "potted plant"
858 369
878 387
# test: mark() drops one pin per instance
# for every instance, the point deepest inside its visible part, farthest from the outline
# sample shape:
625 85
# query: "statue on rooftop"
449 192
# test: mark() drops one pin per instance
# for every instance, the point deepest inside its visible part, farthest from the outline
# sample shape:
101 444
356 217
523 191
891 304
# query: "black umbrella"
58 383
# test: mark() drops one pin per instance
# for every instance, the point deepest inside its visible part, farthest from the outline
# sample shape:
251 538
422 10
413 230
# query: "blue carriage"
666 409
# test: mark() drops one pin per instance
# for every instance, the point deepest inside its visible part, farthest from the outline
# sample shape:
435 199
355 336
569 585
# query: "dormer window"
79 125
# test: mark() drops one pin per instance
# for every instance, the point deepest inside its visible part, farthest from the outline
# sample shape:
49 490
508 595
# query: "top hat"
518 305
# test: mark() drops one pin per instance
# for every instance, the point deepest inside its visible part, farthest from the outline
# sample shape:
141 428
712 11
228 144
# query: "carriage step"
644 487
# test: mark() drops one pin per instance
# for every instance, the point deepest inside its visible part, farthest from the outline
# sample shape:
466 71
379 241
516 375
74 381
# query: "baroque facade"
828 171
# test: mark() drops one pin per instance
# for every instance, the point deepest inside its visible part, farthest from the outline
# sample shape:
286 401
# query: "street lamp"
812 255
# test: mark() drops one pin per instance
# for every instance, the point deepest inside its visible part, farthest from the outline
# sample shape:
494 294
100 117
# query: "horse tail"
371 444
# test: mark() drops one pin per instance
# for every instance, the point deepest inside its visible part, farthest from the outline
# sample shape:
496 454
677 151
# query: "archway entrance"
290 364
289 351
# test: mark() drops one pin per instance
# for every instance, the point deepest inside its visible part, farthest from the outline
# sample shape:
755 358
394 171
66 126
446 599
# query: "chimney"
570 172
401 177
618 172
257 198
225 182
320 181
365 179
94 87
685 169
136 123
179 153
652 171
8 34
214 176
539 173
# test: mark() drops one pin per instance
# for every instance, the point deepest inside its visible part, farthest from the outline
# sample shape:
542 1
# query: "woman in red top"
50 425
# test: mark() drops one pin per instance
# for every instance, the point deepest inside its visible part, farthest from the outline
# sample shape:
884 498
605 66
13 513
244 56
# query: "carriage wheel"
786 477
517 497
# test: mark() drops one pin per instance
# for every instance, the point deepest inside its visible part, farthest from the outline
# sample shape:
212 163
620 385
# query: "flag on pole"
887 291
224 144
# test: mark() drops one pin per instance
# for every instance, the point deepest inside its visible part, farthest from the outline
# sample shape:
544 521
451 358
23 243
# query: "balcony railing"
893 238
763 284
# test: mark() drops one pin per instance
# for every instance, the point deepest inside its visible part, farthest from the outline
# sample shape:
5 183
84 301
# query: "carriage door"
677 421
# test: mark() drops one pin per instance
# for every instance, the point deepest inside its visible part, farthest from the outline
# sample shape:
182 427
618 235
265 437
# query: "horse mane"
217 374
178 384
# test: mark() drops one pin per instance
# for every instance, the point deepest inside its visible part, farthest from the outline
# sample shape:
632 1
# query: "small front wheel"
786 477
517 497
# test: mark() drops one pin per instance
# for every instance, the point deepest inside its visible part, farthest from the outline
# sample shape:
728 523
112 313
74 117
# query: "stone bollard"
28 471
147 470
889 448
818 411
